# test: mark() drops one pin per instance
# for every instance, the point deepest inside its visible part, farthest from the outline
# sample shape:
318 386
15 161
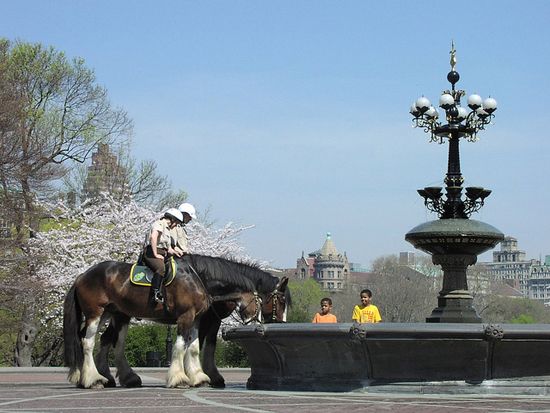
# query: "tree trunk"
25 340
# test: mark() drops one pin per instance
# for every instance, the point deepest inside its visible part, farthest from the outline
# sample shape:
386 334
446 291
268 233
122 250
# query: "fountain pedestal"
454 244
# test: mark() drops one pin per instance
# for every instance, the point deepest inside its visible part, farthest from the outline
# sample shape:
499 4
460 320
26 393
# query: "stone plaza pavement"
46 390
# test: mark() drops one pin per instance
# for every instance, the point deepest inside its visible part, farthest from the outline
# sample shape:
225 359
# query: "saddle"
142 275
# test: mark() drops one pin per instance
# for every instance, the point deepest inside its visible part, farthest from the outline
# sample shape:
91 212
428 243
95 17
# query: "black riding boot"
155 285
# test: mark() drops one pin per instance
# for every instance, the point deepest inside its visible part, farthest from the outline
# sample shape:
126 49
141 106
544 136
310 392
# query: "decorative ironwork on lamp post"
459 122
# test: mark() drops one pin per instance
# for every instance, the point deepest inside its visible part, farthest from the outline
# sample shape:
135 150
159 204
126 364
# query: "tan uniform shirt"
179 234
165 238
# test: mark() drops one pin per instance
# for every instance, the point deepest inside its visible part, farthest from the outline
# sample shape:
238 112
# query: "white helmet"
190 209
173 213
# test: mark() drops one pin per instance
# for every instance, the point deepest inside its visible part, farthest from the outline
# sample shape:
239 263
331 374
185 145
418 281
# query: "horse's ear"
281 286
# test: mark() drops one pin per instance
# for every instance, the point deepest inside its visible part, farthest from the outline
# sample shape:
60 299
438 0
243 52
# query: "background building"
529 276
105 174
539 281
330 268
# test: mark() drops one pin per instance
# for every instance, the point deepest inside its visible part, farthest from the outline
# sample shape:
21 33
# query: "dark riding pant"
156 264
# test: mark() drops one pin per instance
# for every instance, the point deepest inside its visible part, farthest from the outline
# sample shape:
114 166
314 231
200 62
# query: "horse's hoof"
177 379
98 385
200 381
202 384
131 381
179 385
219 384
110 383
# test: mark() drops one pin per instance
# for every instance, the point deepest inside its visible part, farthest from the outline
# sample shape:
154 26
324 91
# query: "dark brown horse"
275 297
104 294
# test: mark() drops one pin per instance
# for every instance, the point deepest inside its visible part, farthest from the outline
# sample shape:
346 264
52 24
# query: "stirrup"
158 297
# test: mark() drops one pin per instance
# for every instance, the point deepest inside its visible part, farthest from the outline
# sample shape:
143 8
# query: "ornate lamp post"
454 241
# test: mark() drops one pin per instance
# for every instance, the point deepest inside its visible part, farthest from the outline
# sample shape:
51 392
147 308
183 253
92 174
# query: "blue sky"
293 115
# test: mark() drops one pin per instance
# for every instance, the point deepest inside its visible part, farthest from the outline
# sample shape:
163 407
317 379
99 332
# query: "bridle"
235 298
275 296
257 314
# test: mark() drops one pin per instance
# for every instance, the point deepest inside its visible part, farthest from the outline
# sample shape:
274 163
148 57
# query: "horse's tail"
72 315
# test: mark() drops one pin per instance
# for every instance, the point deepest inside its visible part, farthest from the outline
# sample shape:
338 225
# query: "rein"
199 277
226 297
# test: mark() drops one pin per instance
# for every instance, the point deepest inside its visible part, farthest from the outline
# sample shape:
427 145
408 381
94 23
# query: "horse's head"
274 305
249 307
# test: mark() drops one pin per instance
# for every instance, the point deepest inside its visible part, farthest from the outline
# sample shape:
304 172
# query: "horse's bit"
257 315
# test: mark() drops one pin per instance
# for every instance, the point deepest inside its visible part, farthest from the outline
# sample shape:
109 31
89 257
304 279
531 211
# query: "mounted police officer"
179 233
159 245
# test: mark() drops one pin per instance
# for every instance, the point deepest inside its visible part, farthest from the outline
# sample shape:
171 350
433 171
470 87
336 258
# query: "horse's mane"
263 282
221 269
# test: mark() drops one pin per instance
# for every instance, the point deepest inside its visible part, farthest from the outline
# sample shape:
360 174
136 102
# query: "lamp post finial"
453 56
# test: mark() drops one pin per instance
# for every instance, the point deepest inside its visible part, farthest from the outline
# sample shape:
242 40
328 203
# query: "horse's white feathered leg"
89 376
192 363
74 376
176 374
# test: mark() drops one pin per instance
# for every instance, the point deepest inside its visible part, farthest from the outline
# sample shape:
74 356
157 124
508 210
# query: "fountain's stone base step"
347 357
531 386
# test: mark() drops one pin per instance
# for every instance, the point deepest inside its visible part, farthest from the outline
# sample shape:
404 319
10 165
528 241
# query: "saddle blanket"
142 275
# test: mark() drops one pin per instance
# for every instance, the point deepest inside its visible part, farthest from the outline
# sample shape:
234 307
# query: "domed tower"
331 269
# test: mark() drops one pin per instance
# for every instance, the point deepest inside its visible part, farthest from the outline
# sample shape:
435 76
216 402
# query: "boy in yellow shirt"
366 312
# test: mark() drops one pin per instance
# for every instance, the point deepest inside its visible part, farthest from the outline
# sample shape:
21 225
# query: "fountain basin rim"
455 227
454 236
389 330
351 356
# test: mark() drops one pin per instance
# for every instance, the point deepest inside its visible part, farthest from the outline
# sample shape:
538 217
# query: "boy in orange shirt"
325 316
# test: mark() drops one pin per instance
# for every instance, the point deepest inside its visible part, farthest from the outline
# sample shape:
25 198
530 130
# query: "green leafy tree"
59 115
523 319
500 309
143 338
230 354
306 296
64 114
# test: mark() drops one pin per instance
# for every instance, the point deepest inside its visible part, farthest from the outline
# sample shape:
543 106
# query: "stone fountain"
454 344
